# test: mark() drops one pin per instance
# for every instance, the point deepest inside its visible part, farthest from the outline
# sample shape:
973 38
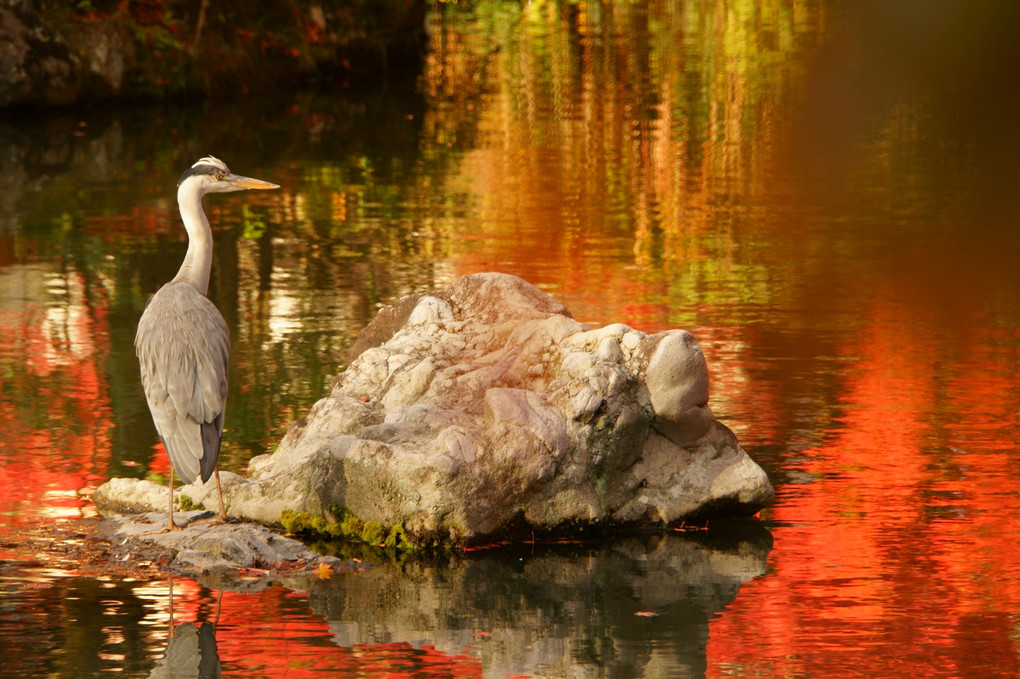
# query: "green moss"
397 539
303 523
348 529
186 504
350 524
374 533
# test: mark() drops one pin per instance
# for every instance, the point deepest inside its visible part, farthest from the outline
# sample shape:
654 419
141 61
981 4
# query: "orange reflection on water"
273 633
55 407
899 549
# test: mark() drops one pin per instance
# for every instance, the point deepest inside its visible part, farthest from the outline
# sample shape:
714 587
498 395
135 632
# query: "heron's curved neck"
198 261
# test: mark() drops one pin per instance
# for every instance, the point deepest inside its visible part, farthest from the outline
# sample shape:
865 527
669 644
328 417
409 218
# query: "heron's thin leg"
219 489
171 605
171 525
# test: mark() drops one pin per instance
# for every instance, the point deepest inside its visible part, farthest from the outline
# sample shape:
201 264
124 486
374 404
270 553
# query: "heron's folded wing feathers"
183 348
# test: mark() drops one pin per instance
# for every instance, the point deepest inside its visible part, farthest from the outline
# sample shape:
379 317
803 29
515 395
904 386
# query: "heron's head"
211 175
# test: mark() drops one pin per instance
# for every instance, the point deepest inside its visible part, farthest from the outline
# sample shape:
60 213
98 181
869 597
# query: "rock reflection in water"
637 607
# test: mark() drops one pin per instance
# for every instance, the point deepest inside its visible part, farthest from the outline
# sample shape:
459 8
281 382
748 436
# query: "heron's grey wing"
183 348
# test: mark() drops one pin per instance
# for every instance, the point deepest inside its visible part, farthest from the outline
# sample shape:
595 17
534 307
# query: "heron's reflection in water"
191 651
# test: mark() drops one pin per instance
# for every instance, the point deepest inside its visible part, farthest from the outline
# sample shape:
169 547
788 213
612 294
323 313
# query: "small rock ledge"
485 407
216 552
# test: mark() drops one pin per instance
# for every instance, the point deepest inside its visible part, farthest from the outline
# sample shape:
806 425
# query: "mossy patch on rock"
186 504
347 527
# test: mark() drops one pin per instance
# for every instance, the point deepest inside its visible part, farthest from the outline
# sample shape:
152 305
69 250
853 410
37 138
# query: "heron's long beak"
249 183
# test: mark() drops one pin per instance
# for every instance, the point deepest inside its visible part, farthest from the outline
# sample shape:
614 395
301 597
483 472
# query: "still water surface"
838 227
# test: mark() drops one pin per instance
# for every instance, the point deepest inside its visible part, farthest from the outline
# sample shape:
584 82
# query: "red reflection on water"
898 553
62 626
274 633
55 408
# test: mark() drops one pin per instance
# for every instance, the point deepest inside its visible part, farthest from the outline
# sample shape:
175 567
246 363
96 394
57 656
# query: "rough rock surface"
484 407
207 548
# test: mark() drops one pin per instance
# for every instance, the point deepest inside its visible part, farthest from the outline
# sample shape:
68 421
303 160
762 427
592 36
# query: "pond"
824 195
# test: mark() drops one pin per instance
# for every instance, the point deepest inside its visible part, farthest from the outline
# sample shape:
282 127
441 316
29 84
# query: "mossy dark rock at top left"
70 52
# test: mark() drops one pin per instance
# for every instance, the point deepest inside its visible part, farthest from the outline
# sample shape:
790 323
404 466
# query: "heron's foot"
168 528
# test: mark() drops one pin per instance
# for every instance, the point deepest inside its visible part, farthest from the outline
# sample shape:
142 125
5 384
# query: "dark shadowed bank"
55 53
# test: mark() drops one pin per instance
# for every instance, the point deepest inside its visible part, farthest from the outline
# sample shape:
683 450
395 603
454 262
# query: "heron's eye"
219 176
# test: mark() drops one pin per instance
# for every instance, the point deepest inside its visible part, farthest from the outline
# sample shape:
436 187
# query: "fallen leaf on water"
253 572
324 571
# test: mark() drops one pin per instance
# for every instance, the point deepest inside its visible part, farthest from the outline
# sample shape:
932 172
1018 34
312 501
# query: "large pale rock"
484 407
484 404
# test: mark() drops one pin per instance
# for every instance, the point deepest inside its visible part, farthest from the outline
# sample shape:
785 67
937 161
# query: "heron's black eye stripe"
201 168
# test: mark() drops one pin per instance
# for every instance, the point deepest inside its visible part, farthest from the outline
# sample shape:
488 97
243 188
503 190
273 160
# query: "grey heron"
183 344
